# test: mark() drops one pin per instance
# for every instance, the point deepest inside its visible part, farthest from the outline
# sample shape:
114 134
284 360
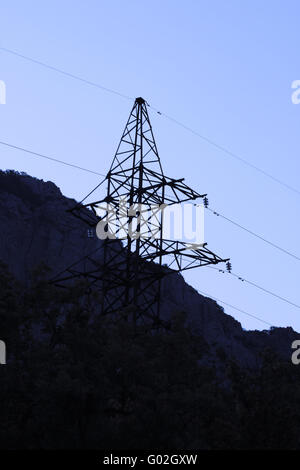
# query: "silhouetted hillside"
36 228
76 379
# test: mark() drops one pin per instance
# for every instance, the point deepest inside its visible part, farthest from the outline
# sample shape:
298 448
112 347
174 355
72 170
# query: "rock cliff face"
36 227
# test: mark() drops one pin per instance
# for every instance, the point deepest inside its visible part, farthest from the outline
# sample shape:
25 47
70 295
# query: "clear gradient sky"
224 68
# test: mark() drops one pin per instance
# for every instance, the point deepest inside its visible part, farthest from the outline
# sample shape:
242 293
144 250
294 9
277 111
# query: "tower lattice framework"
131 265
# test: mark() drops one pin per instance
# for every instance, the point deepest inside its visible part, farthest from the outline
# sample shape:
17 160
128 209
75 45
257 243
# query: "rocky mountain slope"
36 227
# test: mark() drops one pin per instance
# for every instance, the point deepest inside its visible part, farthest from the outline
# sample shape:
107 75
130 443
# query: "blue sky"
223 68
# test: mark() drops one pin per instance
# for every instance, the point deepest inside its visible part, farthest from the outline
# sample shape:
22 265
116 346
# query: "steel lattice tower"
129 273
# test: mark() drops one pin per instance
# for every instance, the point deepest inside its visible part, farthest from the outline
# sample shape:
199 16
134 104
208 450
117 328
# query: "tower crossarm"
181 256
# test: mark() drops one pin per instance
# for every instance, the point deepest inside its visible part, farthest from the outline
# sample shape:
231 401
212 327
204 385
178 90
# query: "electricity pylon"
131 265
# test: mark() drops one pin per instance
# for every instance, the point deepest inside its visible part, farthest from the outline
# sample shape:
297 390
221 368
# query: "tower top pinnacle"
140 100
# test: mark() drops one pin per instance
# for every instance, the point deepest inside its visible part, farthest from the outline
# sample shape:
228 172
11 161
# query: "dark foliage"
74 380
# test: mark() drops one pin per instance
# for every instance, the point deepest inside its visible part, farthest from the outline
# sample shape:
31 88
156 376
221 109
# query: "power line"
235 308
70 75
242 279
62 162
50 158
189 129
283 250
101 174
67 74
228 152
